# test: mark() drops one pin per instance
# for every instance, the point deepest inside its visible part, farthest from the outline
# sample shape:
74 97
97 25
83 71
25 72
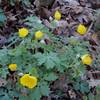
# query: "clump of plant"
34 58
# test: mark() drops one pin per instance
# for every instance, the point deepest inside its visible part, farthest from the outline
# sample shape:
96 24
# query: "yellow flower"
28 81
12 67
23 32
81 29
57 15
87 59
39 35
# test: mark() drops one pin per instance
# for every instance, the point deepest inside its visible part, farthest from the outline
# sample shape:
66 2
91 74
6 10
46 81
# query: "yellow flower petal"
23 32
28 81
81 29
87 59
24 79
12 67
39 35
33 82
57 15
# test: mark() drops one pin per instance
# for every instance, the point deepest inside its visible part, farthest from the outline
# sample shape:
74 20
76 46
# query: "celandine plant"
34 58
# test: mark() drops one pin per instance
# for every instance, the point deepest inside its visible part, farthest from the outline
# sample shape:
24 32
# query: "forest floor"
73 12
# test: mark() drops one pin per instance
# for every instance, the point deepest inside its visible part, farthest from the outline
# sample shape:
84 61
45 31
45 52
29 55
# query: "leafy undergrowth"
49 56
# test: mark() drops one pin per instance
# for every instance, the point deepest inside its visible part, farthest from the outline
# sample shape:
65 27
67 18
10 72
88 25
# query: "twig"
89 27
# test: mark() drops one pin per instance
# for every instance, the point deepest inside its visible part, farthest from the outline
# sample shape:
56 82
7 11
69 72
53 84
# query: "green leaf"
44 89
91 96
13 93
34 22
4 56
40 58
4 72
34 72
2 17
22 97
50 77
98 88
49 64
85 98
5 97
26 2
35 94
97 97
84 87
54 24
50 60
12 2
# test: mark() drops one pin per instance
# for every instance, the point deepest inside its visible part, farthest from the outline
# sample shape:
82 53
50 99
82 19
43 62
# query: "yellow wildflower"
23 32
39 35
28 81
12 67
81 29
57 15
86 59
